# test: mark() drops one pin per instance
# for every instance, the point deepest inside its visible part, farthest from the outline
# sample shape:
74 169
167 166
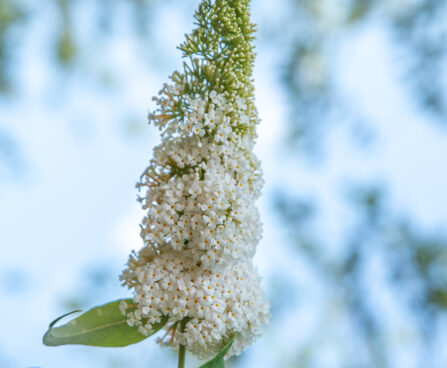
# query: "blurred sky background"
353 142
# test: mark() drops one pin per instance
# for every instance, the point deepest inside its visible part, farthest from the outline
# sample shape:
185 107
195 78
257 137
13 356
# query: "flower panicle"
201 226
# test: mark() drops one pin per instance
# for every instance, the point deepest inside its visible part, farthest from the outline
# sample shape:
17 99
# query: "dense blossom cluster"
200 231
203 182
218 305
201 225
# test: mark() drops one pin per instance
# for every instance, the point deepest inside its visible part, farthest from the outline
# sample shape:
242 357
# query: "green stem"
181 357
182 349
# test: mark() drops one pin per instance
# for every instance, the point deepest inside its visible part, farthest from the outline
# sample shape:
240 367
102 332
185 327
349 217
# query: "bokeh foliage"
412 262
413 259
314 29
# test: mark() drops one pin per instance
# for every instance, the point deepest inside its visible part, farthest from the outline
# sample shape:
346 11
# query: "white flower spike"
202 226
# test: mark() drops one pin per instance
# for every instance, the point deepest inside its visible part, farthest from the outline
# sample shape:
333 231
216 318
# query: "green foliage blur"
412 259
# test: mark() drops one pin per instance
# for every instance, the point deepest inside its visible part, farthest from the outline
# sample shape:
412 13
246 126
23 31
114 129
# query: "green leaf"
100 326
218 360
63 316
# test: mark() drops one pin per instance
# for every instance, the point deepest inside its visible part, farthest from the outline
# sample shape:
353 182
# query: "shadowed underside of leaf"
218 360
100 326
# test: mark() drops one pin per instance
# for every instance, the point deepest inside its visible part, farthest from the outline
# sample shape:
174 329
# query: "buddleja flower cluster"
199 190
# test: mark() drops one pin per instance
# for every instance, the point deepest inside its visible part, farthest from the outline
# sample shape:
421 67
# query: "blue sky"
73 204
